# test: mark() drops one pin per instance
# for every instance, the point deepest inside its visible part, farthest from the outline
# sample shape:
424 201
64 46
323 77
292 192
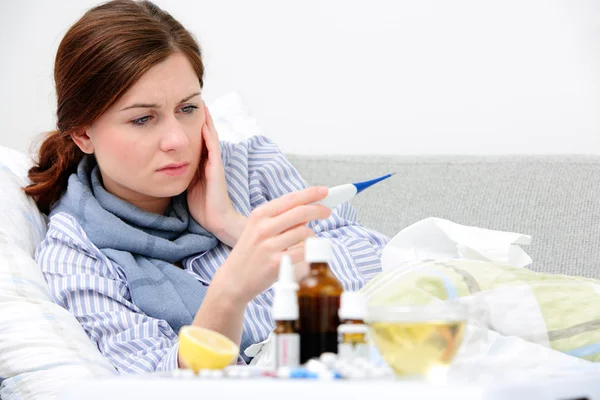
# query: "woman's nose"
174 137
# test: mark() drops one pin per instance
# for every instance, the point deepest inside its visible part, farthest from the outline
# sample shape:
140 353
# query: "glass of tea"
417 340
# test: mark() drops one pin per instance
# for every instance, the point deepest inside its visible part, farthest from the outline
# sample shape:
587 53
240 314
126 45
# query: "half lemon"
201 348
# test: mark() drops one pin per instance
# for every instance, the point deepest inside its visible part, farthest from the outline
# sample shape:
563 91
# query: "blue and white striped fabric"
84 281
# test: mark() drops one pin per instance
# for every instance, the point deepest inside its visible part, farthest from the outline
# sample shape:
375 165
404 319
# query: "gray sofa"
552 198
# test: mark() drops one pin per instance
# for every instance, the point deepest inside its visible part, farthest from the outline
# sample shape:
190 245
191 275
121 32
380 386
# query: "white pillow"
232 118
19 163
42 345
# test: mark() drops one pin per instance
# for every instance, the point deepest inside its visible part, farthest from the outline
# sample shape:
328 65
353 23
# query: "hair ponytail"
58 159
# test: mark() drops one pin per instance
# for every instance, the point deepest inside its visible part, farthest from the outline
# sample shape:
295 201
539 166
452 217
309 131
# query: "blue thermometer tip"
360 186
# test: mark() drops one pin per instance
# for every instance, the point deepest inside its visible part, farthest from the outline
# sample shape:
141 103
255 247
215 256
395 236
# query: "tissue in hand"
436 238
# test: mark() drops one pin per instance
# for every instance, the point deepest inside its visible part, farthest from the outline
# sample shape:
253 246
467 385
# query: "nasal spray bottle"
285 314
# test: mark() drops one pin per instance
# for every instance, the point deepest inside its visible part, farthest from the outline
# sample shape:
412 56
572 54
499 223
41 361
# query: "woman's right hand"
273 229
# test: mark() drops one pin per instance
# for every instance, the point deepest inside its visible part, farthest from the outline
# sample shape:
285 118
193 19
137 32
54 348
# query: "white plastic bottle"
285 314
353 341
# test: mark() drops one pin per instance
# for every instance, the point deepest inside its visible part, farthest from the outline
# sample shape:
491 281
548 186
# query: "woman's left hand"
207 196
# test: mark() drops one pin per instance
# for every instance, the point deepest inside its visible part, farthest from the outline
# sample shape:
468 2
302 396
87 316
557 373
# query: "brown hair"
101 56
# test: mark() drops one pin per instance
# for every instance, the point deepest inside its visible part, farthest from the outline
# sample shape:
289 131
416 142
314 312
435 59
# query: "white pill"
329 359
316 366
358 374
326 375
340 364
361 362
205 373
176 373
216 373
347 371
283 372
377 374
186 373
382 372
369 372
245 373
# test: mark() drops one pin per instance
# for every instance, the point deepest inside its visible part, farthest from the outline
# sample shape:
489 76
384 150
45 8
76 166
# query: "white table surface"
152 387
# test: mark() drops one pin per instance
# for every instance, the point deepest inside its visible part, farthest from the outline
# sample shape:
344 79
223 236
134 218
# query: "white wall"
360 76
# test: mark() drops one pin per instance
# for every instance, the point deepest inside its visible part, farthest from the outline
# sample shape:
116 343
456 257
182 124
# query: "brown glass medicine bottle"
318 302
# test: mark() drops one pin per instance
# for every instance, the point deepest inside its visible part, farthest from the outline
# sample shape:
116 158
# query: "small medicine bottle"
319 302
285 314
353 331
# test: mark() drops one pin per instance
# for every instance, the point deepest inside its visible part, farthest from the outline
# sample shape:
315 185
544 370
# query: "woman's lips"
174 169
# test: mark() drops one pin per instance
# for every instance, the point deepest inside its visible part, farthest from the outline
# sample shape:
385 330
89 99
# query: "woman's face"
148 144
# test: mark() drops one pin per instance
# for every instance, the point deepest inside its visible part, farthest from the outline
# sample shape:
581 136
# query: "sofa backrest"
552 198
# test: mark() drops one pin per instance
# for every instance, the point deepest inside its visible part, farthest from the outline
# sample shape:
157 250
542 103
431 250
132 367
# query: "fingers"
291 239
301 269
291 200
297 216
297 255
211 142
210 135
301 244
198 175
209 120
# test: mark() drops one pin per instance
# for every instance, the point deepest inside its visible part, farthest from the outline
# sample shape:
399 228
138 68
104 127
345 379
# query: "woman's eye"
188 109
141 121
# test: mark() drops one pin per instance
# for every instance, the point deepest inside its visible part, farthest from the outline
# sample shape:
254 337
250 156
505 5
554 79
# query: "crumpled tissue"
436 238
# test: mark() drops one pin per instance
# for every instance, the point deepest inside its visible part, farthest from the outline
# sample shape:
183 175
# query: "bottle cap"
317 250
285 301
287 274
353 305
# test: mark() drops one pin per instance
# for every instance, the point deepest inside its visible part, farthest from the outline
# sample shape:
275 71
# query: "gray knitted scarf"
144 244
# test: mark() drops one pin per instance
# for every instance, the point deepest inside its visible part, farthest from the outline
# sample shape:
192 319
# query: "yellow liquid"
414 348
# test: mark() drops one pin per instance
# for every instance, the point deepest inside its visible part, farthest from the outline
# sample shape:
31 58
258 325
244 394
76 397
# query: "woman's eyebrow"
144 105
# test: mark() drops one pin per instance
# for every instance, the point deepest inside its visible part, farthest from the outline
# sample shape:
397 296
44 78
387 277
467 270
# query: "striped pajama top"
94 289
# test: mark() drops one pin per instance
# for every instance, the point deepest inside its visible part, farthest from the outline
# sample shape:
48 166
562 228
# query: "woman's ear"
83 141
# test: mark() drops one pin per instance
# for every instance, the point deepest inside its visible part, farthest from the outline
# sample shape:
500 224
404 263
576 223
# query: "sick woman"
154 223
